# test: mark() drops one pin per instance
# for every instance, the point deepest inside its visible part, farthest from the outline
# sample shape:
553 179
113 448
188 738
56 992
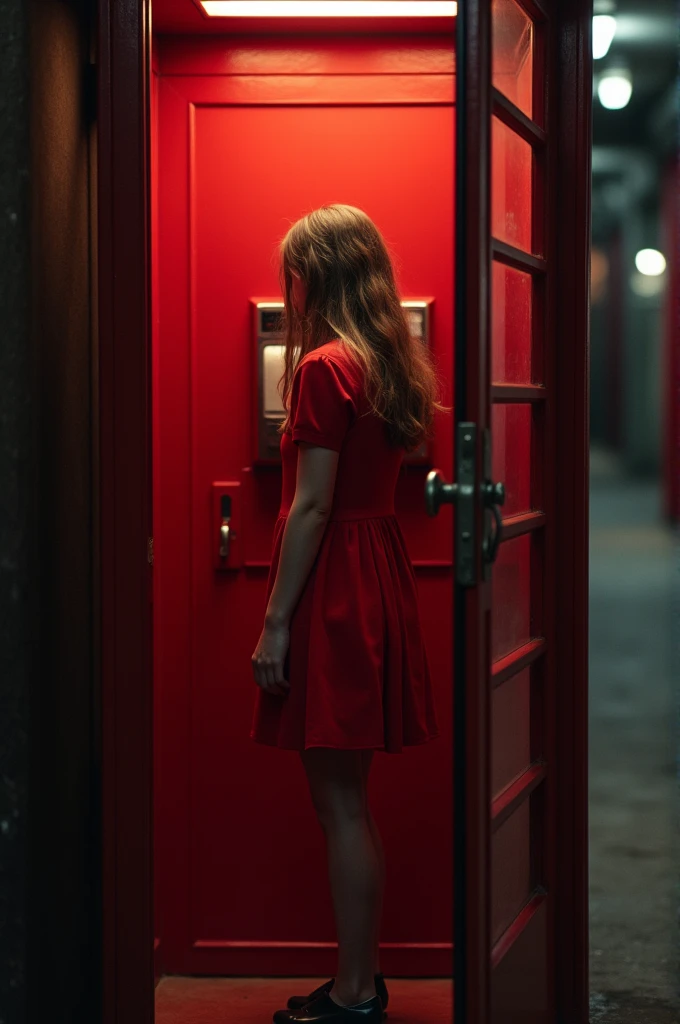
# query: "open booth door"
519 746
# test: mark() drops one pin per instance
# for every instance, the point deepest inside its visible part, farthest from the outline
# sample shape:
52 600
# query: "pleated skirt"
357 664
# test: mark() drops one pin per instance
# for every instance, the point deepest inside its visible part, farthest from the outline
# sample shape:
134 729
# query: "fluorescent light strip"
604 30
330 8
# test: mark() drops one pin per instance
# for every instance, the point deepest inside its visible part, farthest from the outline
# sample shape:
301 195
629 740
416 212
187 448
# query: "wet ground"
634 743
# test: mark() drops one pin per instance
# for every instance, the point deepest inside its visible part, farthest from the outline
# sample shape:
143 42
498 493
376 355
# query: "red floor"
253 1000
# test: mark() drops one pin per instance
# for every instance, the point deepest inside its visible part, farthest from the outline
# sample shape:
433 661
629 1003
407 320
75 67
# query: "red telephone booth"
466 137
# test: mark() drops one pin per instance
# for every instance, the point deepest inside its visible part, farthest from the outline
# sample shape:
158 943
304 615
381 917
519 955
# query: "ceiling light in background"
604 28
614 88
330 8
650 262
647 287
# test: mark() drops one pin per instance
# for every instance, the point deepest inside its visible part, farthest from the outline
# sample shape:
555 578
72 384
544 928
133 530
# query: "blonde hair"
343 260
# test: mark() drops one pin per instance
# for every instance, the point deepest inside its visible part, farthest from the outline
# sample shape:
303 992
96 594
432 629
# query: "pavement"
634 742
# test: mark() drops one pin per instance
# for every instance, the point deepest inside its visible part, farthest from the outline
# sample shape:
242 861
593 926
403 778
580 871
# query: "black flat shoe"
324 1009
297 1002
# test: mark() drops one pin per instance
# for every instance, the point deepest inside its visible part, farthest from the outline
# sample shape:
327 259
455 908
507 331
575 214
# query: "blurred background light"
614 88
604 28
650 262
645 286
599 271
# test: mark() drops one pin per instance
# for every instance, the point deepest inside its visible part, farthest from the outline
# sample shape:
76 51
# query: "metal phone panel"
419 315
268 369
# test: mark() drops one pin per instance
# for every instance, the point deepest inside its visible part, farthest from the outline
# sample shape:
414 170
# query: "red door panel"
520 891
505 811
238 161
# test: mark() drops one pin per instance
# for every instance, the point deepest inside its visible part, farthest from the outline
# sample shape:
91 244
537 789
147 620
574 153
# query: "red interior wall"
234 899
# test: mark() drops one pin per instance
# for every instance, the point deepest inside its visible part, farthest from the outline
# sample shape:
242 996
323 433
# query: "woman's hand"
268 659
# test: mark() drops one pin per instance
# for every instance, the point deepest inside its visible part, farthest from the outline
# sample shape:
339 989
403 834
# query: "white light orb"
614 89
650 262
604 30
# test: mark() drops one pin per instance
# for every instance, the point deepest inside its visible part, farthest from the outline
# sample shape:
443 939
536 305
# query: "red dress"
356 664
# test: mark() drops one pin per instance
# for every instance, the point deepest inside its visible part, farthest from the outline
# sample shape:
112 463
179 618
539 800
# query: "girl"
340 664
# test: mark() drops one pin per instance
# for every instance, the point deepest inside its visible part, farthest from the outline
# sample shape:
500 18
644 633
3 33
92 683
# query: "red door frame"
124 504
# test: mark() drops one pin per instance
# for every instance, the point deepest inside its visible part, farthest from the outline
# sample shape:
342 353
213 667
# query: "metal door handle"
225 537
462 495
494 497
437 492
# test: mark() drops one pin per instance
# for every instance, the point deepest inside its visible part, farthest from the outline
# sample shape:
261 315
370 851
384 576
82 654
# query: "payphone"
268 365
268 352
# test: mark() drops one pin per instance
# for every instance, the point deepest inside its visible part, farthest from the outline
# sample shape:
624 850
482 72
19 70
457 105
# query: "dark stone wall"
50 928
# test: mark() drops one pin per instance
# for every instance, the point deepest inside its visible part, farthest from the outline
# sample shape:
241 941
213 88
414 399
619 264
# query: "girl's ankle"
351 997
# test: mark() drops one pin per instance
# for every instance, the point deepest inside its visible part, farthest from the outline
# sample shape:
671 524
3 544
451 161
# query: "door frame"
123 499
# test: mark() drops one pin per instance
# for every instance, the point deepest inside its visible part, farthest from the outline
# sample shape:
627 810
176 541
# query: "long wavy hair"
344 262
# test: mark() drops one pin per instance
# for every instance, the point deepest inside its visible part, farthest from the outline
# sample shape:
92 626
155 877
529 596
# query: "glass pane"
511 192
511 730
511 323
511 597
511 881
511 439
513 41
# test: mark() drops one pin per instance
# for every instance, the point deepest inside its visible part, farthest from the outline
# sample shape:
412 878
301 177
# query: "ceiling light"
647 287
604 27
650 262
614 88
330 8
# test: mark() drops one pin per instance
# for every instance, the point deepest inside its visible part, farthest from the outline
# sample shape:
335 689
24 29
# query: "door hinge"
149 551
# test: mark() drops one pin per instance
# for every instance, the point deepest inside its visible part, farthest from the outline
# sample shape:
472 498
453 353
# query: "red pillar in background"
670 222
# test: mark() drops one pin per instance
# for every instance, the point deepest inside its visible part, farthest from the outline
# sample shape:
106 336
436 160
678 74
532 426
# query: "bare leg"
367 758
336 783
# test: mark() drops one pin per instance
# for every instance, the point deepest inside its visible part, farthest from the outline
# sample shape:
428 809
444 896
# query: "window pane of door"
511 434
510 730
511 327
512 54
511 191
511 599
512 881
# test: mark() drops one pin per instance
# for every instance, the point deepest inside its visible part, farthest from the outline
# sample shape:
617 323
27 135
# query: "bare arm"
302 535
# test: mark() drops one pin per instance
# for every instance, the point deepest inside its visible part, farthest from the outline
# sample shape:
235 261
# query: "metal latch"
462 494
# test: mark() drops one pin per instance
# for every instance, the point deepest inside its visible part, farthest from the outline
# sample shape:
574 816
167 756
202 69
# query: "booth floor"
182 1000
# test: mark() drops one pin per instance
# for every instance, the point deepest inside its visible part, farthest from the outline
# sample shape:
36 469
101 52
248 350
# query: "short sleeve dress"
357 664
